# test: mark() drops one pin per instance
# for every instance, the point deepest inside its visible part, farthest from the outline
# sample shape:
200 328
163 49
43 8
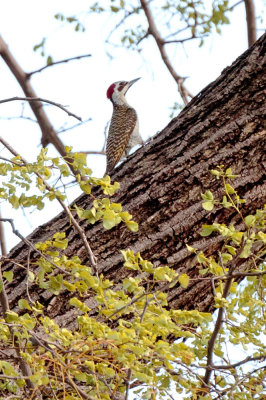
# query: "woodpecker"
123 132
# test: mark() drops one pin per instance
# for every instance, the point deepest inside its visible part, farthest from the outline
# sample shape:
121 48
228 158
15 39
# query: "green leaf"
114 9
226 257
246 250
117 207
229 174
202 258
215 172
49 60
250 220
207 195
164 274
22 303
191 249
79 304
109 219
132 226
226 203
183 279
206 230
8 275
231 249
208 205
86 187
229 189
11 316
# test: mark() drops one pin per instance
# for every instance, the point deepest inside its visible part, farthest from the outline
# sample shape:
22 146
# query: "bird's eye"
121 86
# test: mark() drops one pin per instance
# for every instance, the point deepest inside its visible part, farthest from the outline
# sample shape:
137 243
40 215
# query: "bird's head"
116 92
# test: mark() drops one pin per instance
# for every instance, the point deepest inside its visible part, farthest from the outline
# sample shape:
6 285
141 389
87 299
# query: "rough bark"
161 185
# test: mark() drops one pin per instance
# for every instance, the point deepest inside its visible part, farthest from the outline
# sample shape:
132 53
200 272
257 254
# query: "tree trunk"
161 186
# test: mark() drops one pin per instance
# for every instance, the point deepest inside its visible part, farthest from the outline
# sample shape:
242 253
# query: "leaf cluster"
122 331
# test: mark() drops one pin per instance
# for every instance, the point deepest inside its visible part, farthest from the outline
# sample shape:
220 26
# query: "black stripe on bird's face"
121 86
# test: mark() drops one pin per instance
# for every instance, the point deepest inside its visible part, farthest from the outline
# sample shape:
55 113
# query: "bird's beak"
131 82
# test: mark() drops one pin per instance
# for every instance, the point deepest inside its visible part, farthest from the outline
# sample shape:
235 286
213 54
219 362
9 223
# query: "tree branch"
100 152
2 239
39 99
184 93
30 245
247 359
62 130
219 320
49 135
29 74
251 21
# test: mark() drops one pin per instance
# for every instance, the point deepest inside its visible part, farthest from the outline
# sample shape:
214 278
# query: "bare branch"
29 74
30 245
90 152
19 117
219 320
49 135
247 359
2 238
129 374
184 93
39 99
251 21
183 40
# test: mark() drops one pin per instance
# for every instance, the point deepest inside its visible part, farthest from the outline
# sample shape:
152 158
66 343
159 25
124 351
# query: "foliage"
194 19
123 330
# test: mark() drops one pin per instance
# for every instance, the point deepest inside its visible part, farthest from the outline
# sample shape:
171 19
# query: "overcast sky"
82 84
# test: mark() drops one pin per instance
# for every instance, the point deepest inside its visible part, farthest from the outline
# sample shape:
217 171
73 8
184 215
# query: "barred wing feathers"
123 122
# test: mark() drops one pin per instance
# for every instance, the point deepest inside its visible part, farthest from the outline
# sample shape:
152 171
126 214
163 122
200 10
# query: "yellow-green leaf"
132 226
229 189
109 219
183 280
8 275
208 205
250 220
191 249
22 303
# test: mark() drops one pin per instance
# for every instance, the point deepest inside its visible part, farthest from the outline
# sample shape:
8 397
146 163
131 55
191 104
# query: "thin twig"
2 238
219 319
40 99
73 126
237 364
129 374
184 93
183 40
19 117
101 152
30 245
29 74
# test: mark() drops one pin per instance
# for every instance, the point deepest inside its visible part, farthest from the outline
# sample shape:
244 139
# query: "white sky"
82 84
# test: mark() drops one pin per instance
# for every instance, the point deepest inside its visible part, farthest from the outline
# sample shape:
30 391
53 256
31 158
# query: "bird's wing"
122 125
